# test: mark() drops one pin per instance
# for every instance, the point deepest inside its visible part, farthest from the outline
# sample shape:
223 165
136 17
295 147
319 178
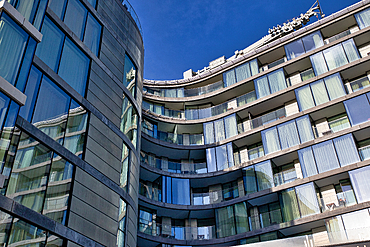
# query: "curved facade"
270 144
71 90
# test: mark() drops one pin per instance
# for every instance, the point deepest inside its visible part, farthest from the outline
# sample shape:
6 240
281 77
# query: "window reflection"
129 120
129 75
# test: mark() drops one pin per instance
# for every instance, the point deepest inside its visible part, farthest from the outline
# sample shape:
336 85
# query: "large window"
358 109
32 10
271 83
328 155
361 183
258 177
76 16
220 158
65 122
320 92
129 120
121 223
334 57
306 44
129 75
63 56
240 73
176 190
287 135
13 46
39 178
363 18
220 129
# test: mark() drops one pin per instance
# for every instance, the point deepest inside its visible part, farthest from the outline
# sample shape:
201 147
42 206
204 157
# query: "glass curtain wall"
303 45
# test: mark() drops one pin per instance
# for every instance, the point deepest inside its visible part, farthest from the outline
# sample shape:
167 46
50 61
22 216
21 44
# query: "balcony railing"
360 84
215 196
364 152
284 177
343 199
150 192
177 232
179 139
181 92
256 153
175 167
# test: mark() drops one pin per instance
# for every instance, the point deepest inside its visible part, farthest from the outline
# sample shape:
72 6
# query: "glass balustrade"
360 84
339 200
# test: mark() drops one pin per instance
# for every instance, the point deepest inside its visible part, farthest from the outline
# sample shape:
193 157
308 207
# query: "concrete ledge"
16 16
12 92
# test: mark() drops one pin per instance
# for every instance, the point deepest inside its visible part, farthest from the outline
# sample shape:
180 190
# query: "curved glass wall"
129 120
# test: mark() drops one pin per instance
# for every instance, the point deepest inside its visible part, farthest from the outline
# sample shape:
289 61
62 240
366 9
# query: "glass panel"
208 133
229 78
270 140
319 92
288 134
92 34
363 18
225 222
361 183
242 72
57 193
335 229
129 120
351 50
250 184
357 225
22 231
264 175
241 217
254 67
73 67
318 63
129 75
277 80
75 17
304 129
221 155
335 57
219 130
50 47
289 205
230 126
335 86
211 159
230 154
346 150
57 6
262 87
325 156
13 42
307 162
92 2
51 120
76 128
294 49
358 109
312 41
180 191
304 98
307 199
4 104
27 183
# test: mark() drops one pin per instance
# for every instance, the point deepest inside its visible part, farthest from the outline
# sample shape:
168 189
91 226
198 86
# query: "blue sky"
184 34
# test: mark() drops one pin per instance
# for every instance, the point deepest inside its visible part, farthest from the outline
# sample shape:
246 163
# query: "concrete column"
166 226
241 187
320 236
298 169
329 197
164 164
291 108
243 156
255 218
185 139
322 127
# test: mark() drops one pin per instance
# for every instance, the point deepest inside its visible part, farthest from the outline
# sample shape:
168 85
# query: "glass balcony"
360 84
364 152
284 177
343 199
338 36
339 124
177 232
270 218
256 153
150 192
175 167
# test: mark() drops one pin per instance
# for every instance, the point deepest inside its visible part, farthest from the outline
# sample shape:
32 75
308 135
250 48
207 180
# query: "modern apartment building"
70 100
270 145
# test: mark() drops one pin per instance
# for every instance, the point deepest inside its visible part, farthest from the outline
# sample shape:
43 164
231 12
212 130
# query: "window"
363 18
13 43
270 140
129 75
301 46
32 10
360 182
220 130
358 109
129 119
273 82
176 190
225 222
320 92
122 223
307 199
73 65
334 57
240 73
65 122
